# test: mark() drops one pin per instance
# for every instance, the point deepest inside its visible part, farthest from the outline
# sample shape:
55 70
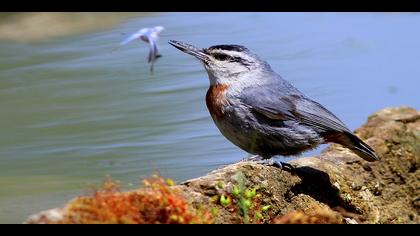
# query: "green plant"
245 202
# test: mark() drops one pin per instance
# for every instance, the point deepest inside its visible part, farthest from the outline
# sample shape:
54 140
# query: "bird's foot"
151 69
278 164
270 162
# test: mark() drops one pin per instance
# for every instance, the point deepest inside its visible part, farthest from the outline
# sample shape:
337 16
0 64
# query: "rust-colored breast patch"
216 99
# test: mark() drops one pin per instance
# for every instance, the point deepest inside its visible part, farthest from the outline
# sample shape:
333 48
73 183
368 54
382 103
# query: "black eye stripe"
237 59
221 56
225 57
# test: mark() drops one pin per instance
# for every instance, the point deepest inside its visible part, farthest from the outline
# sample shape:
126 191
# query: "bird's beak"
187 48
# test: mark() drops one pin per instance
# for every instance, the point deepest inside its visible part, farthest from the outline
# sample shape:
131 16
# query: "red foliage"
154 203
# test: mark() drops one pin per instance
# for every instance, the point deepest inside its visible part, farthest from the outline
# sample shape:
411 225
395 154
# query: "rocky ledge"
337 181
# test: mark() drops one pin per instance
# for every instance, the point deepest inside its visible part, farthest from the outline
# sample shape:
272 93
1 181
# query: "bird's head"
226 63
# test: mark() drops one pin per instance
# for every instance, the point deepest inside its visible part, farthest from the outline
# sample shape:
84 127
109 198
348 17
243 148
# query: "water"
72 112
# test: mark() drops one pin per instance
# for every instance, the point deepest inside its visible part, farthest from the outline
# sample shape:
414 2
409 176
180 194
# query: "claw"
271 162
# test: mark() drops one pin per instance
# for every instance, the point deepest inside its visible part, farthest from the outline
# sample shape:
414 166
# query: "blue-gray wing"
314 114
285 103
134 36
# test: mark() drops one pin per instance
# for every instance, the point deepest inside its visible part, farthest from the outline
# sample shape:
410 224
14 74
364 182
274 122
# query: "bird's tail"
359 147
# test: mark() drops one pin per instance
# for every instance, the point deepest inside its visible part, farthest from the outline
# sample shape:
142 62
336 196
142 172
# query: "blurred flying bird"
151 36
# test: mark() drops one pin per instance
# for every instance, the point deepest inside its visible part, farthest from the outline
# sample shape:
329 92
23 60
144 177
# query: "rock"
338 181
316 216
46 216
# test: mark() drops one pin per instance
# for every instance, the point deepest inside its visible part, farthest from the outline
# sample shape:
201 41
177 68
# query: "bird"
148 35
262 113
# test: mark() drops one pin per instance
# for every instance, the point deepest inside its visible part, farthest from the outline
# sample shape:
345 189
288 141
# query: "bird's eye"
221 57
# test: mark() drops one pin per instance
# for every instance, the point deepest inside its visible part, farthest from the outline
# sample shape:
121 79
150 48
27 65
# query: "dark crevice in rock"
317 184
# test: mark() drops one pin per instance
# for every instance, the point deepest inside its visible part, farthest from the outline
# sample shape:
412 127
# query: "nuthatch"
263 114
148 35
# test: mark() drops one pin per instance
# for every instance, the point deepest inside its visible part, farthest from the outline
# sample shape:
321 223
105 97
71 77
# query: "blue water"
72 112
